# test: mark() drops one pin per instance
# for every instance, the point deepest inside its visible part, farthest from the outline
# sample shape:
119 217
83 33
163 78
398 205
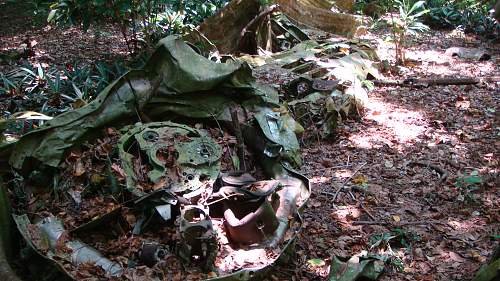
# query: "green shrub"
51 90
139 20
406 23
470 15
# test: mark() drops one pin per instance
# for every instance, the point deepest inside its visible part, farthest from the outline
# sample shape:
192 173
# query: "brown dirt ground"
54 45
374 160
454 128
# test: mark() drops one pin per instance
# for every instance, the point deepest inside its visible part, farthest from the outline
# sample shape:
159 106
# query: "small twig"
347 180
221 199
326 168
352 195
366 211
327 193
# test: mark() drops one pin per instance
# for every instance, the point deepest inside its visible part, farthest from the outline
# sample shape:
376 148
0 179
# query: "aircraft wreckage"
172 198
184 169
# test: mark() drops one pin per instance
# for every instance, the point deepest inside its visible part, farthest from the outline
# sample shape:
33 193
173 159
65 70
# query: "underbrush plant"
467 185
406 23
471 16
51 90
397 238
140 22
373 8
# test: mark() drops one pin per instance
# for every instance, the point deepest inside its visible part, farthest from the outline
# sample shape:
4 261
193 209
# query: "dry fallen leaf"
360 180
79 169
455 257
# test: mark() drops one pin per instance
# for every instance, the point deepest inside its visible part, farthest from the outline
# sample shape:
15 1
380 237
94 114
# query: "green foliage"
469 15
407 22
373 8
140 21
316 262
397 238
52 91
467 185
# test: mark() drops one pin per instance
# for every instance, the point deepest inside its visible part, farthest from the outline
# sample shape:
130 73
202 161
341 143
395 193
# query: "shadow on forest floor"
388 168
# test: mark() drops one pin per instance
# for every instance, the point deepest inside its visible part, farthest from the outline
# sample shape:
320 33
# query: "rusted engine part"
260 212
262 216
156 208
50 234
198 245
248 211
233 179
151 253
295 189
303 86
181 158
250 223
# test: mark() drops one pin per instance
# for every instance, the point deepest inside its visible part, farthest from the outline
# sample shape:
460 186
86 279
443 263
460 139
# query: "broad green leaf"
51 16
28 71
473 180
416 6
316 262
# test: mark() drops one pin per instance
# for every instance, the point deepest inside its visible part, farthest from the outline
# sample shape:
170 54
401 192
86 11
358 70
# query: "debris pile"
185 169
215 195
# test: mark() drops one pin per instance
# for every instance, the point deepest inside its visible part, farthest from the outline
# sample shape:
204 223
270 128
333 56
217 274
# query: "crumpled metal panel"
182 157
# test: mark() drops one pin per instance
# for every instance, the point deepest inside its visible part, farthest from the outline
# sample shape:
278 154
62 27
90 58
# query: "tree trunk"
224 28
313 13
497 11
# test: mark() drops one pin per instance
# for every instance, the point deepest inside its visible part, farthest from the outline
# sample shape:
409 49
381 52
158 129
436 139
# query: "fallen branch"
411 82
250 25
326 168
390 223
442 172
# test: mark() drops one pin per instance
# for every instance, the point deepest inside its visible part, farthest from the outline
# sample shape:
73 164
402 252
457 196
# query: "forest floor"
388 168
417 173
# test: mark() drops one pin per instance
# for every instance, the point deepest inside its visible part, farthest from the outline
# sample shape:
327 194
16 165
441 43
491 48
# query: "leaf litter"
448 224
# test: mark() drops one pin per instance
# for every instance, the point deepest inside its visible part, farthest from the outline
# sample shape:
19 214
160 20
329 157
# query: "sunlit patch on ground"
319 179
343 174
345 215
466 225
451 127
395 124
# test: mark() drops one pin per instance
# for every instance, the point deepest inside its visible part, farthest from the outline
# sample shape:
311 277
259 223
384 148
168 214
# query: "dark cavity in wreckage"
202 186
